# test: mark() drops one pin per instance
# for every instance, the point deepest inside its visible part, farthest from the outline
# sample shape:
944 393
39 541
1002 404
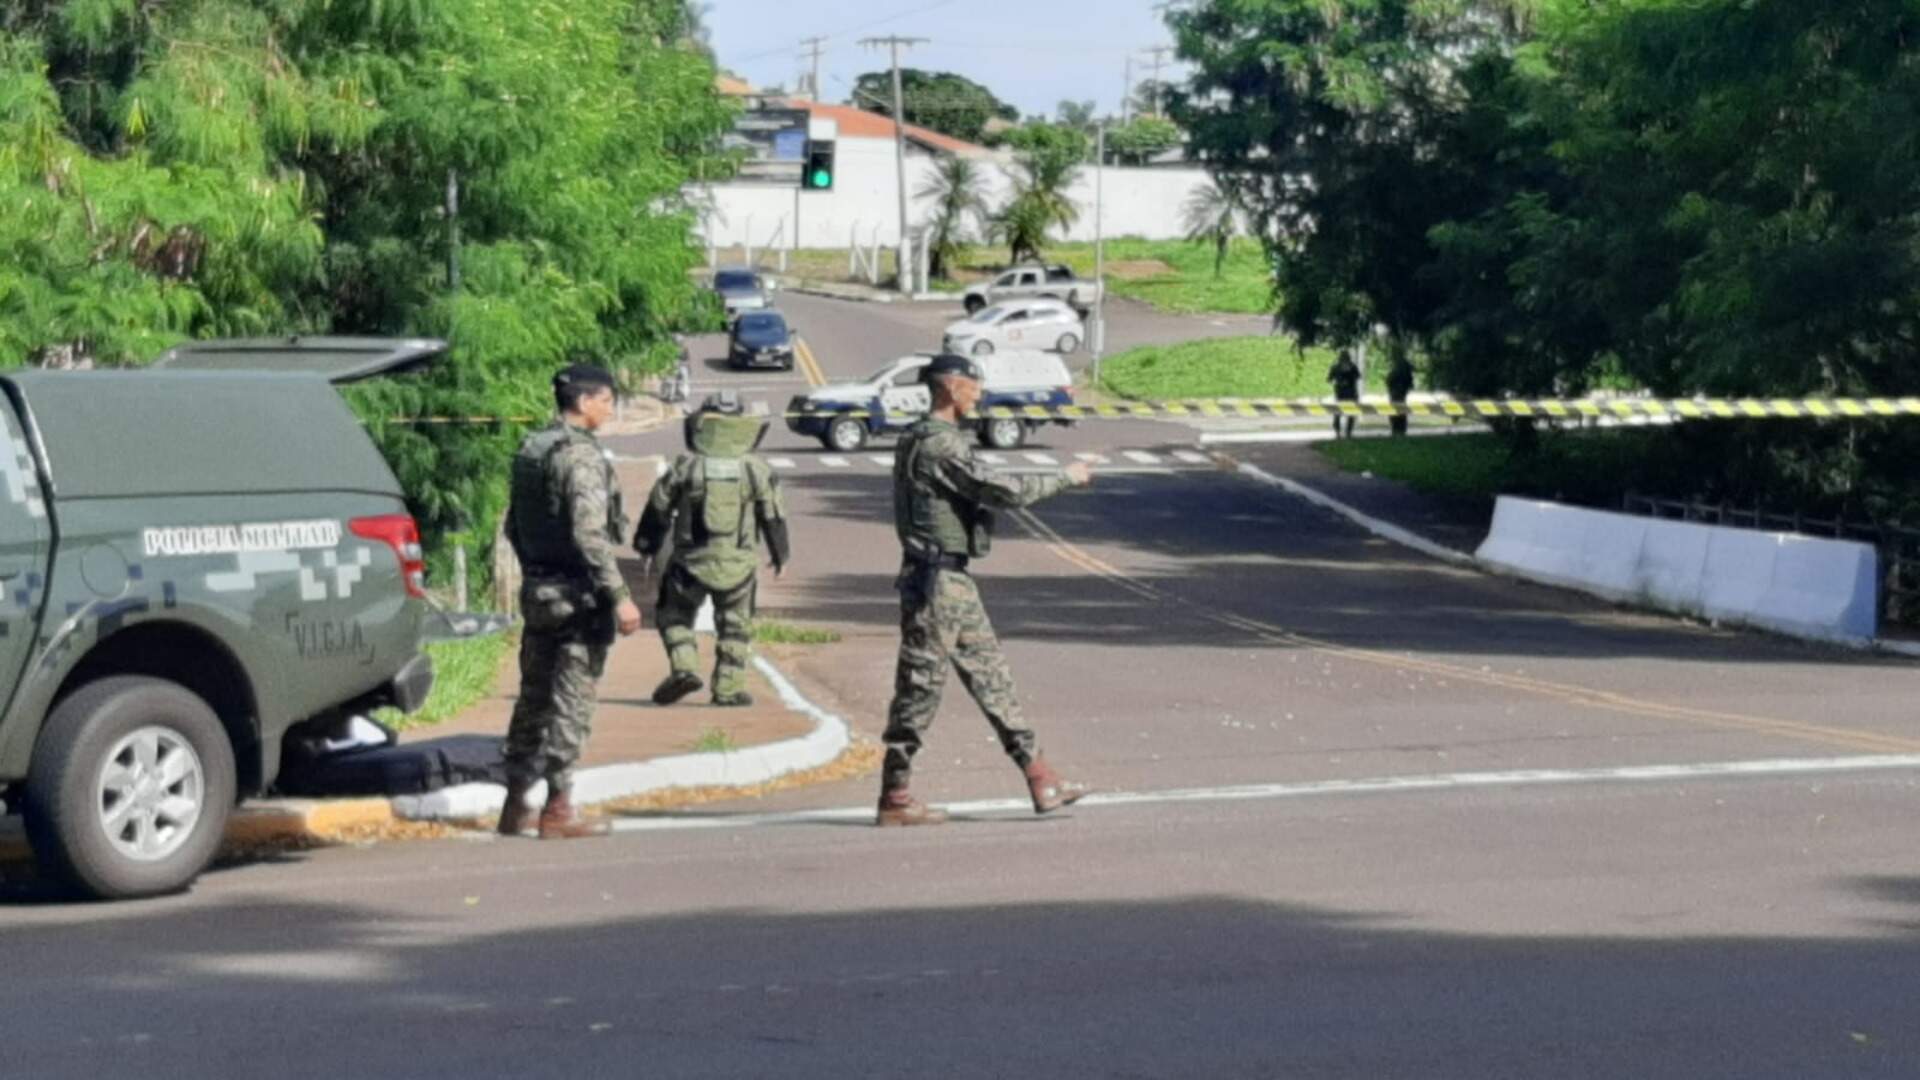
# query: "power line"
881 21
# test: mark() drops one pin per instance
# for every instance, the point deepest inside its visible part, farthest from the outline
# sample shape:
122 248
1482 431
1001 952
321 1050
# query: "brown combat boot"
1049 791
899 807
516 817
562 821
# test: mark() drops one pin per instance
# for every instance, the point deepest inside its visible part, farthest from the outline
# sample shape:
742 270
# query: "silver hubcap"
151 790
845 437
1006 432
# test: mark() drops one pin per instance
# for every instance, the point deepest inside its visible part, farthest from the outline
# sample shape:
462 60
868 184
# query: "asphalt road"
1367 815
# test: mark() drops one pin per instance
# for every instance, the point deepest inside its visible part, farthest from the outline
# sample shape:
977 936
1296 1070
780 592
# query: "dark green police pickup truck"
194 558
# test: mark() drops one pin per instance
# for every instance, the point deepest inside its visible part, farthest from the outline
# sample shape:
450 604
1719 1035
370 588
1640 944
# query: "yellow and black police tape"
1254 408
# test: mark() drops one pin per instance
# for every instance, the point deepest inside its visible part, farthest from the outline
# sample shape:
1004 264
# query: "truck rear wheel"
130 786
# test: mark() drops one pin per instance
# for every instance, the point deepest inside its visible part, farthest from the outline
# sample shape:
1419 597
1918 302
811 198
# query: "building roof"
729 86
857 123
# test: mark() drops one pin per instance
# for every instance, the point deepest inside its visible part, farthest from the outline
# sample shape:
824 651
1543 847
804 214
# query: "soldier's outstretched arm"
974 480
583 478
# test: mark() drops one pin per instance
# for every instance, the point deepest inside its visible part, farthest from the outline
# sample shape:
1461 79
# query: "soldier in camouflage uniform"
942 501
716 501
565 523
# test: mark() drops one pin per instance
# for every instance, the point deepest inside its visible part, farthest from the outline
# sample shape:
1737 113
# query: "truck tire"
1068 342
129 789
1004 433
845 435
973 304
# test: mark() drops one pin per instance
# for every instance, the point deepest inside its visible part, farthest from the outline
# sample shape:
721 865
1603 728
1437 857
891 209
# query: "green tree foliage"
216 167
1140 140
1682 195
958 188
938 100
1047 160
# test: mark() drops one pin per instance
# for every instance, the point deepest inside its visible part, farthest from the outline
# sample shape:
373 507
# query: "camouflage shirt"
940 490
582 509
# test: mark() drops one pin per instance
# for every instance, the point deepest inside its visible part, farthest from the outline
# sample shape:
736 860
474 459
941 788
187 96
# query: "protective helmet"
721 427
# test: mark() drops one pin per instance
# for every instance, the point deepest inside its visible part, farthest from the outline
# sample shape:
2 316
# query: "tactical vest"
929 518
716 504
543 527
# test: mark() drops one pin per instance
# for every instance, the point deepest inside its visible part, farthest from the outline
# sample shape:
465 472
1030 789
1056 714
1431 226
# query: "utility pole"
1126 95
1097 335
814 50
1159 54
453 230
893 43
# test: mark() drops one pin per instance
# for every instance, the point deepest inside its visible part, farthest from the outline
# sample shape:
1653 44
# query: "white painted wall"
1138 202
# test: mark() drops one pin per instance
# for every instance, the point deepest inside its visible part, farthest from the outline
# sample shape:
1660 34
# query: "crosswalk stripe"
834 462
1092 458
1141 456
1042 459
1193 457
885 461
993 459
782 463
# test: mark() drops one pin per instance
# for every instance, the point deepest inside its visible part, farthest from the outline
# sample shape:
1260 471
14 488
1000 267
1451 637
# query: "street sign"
774 141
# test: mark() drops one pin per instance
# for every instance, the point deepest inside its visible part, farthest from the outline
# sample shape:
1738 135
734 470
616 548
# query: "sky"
1031 53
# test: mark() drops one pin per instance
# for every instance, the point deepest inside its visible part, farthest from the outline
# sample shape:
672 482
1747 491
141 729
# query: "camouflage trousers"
680 597
945 624
559 676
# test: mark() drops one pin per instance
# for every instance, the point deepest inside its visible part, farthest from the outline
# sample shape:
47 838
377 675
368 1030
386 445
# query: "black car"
760 339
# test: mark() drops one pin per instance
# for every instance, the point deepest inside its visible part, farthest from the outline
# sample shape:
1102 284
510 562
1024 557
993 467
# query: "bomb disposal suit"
716 501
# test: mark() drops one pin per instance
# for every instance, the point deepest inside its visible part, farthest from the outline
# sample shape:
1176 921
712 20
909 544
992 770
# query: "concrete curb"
1405 538
745 767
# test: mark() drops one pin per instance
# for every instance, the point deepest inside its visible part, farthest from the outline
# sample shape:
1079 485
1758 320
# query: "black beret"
583 375
951 364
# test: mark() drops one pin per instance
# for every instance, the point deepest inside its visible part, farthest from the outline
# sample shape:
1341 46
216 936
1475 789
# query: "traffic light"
819 173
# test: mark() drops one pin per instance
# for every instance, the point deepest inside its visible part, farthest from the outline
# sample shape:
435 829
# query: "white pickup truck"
1054 282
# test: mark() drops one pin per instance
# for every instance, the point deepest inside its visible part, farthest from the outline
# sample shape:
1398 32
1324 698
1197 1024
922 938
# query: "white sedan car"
1016 324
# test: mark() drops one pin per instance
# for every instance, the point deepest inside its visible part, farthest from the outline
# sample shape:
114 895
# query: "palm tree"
958 189
1212 215
1040 202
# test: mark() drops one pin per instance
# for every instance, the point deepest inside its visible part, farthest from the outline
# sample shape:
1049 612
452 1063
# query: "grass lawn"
464 671
1236 367
774 632
1593 468
1172 275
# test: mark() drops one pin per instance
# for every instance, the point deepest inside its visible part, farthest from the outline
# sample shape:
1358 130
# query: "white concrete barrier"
1804 586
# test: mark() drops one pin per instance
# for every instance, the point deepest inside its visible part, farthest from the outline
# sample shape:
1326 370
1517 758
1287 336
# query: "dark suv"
195 559
760 339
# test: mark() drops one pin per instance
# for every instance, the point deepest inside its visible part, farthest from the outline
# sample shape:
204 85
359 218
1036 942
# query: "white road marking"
1193 457
1092 458
882 460
833 461
1383 529
1383 785
1042 459
781 462
992 459
1141 456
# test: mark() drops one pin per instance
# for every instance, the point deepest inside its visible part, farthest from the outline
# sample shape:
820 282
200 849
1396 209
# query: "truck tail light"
398 532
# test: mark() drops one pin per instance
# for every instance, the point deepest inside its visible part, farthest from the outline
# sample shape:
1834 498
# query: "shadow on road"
1217 544
1207 986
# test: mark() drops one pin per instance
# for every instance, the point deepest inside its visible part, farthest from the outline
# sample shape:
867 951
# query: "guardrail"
1899 546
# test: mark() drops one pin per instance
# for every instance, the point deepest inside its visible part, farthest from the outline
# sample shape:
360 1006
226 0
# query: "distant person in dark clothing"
1399 385
1345 377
